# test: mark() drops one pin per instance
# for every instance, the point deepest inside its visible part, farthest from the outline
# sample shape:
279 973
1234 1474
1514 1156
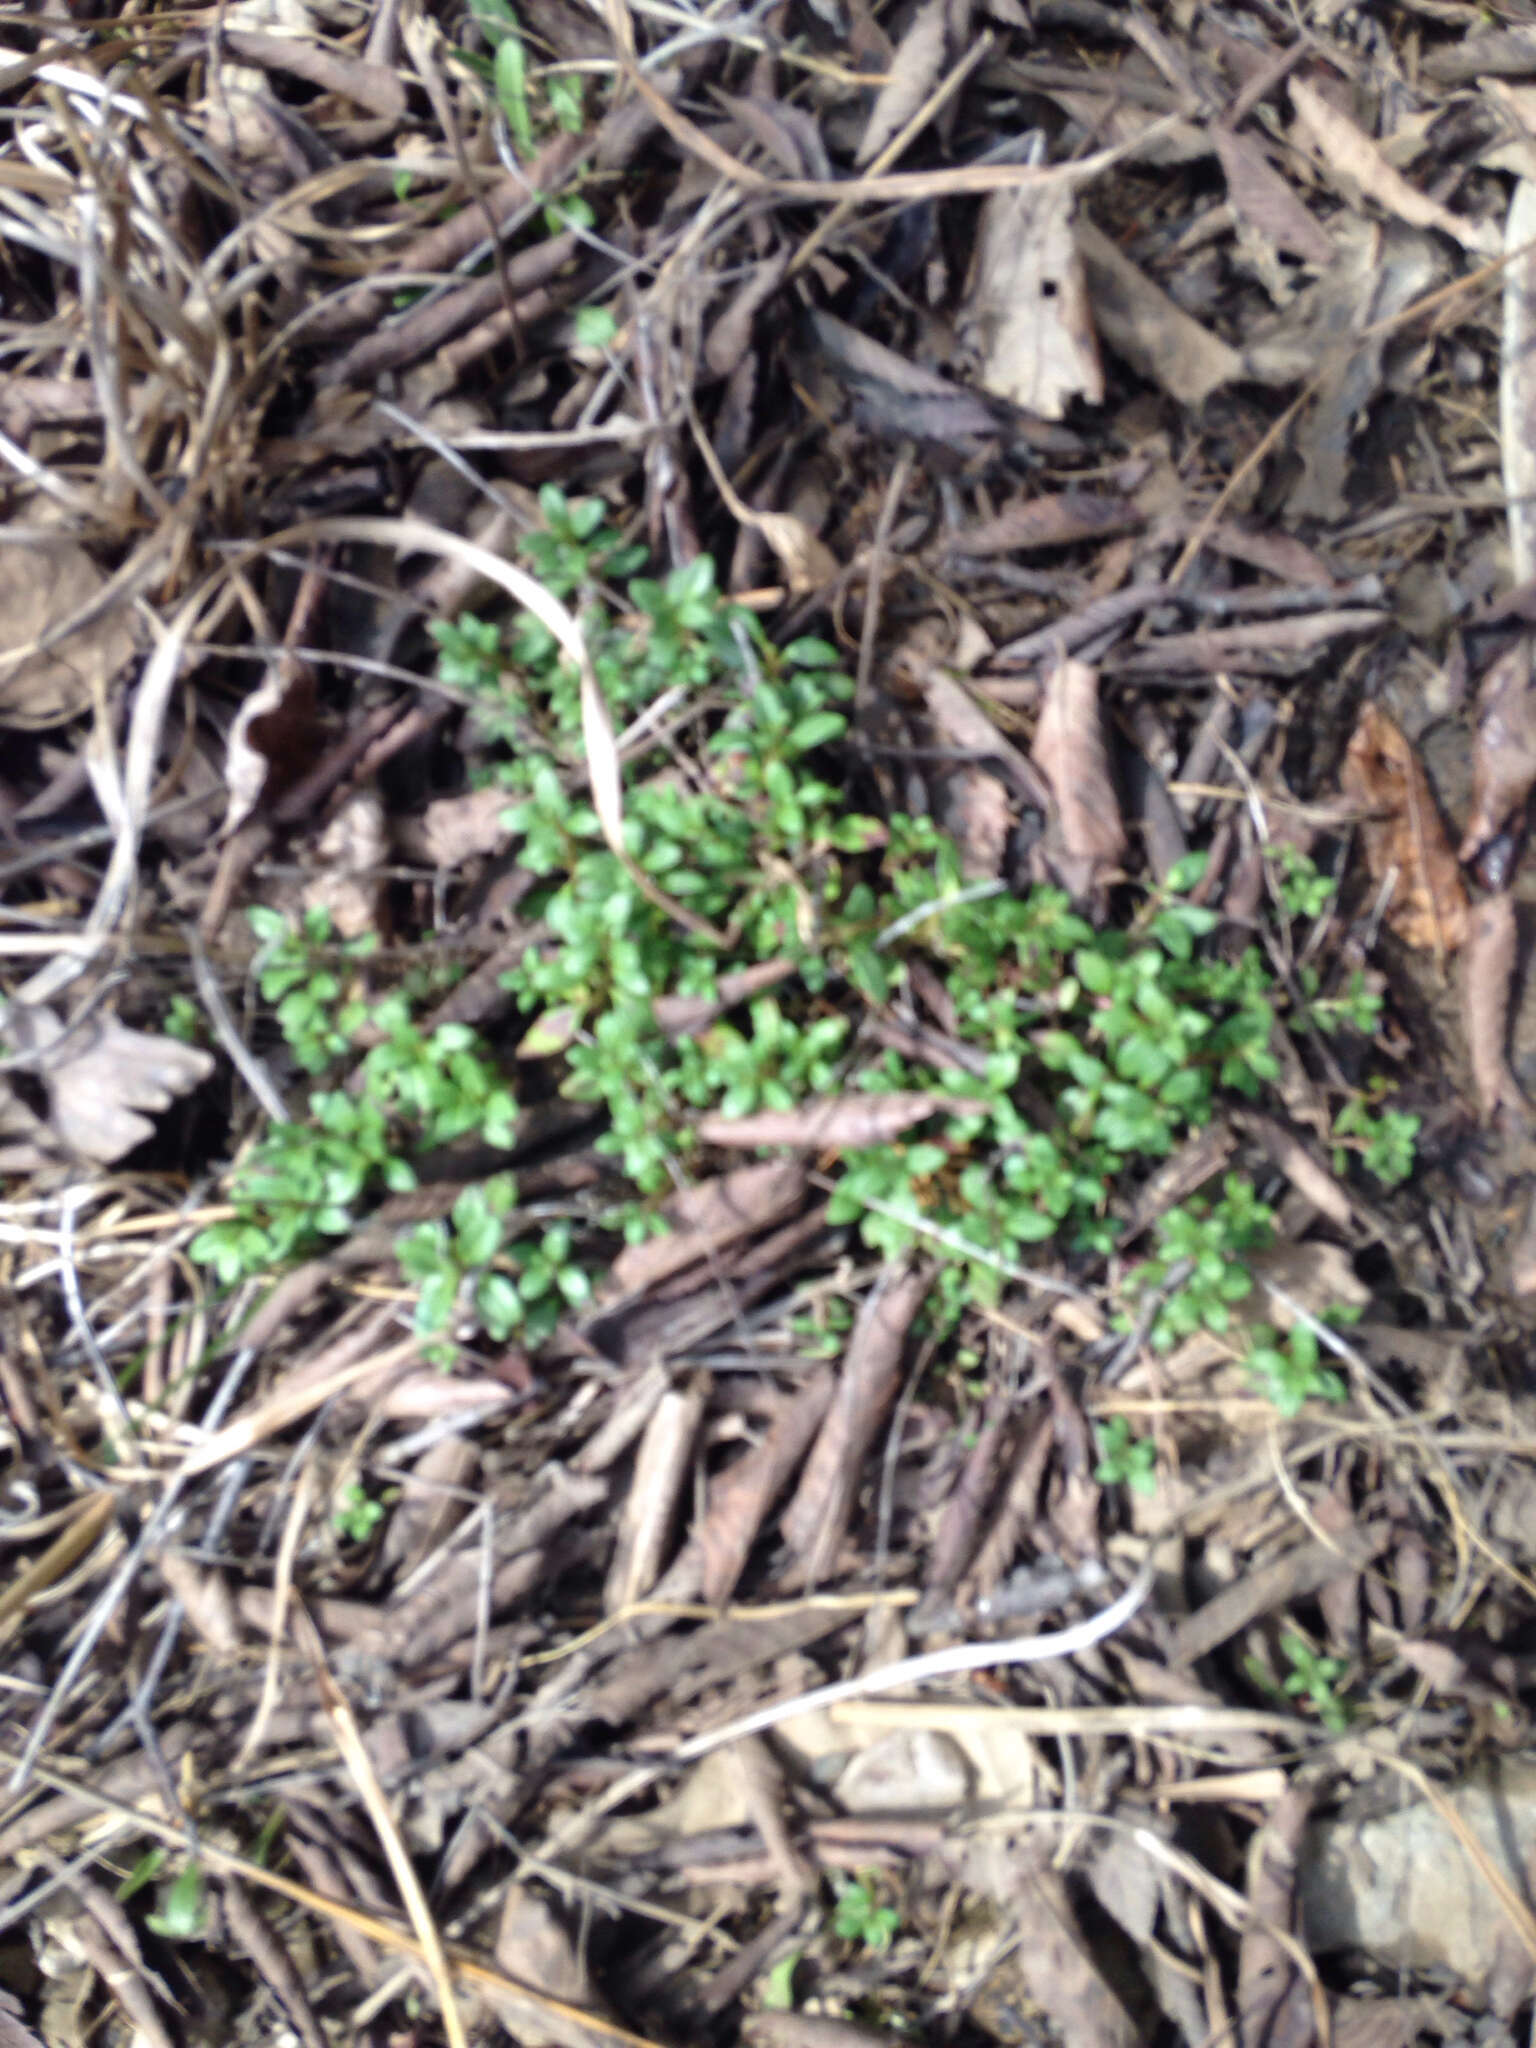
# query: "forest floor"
769 1226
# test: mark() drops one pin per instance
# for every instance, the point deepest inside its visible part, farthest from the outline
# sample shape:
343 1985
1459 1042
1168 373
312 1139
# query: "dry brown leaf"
788 134
1071 754
731 334
102 1075
840 1125
816 1519
1292 1281
1405 846
1357 166
1027 319
42 586
708 1216
1052 521
1139 321
913 74
976 811
1487 971
532 1946
1274 1998
1058 1966
1265 201
741 1496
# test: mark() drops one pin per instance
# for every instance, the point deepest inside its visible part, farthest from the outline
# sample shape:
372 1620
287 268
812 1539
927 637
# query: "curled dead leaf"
101 1076
1405 846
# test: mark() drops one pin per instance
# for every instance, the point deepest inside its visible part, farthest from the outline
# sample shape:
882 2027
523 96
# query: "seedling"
1316 1678
357 1514
1290 1369
1384 1143
857 1917
1124 1459
182 1911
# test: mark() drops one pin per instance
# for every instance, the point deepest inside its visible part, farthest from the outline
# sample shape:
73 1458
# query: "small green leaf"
595 327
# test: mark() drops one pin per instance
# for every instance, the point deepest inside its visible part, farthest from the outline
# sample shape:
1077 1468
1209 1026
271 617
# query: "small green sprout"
357 1513
1125 1459
1290 1369
1316 1678
857 1917
182 1912
1385 1143
184 1020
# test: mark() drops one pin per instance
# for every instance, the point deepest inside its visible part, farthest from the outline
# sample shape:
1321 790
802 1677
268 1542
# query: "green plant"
474 1272
1125 1459
1385 1143
857 1917
1072 1060
778 1992
1202 1250
357 1513
296 970
1316 1678
184 1020
1290 1368
181 1913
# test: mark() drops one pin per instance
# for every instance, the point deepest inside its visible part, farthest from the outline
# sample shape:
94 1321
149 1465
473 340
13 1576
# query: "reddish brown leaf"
1070 752
1405 845
842 1124
739 1500
1487 968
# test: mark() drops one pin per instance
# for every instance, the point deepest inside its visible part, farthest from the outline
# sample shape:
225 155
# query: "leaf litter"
823 1143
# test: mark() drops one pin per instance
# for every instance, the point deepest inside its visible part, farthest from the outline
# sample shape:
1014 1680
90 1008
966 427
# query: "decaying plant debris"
766 1060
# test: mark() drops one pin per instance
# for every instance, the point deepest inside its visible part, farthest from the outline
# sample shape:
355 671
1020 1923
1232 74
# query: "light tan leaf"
1071 754
102 1076
1517 379
1027 318
1139 321
808 563
1357 166
841 1124
455 829
354 852
913 74
1404 841
42 586
1503 754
